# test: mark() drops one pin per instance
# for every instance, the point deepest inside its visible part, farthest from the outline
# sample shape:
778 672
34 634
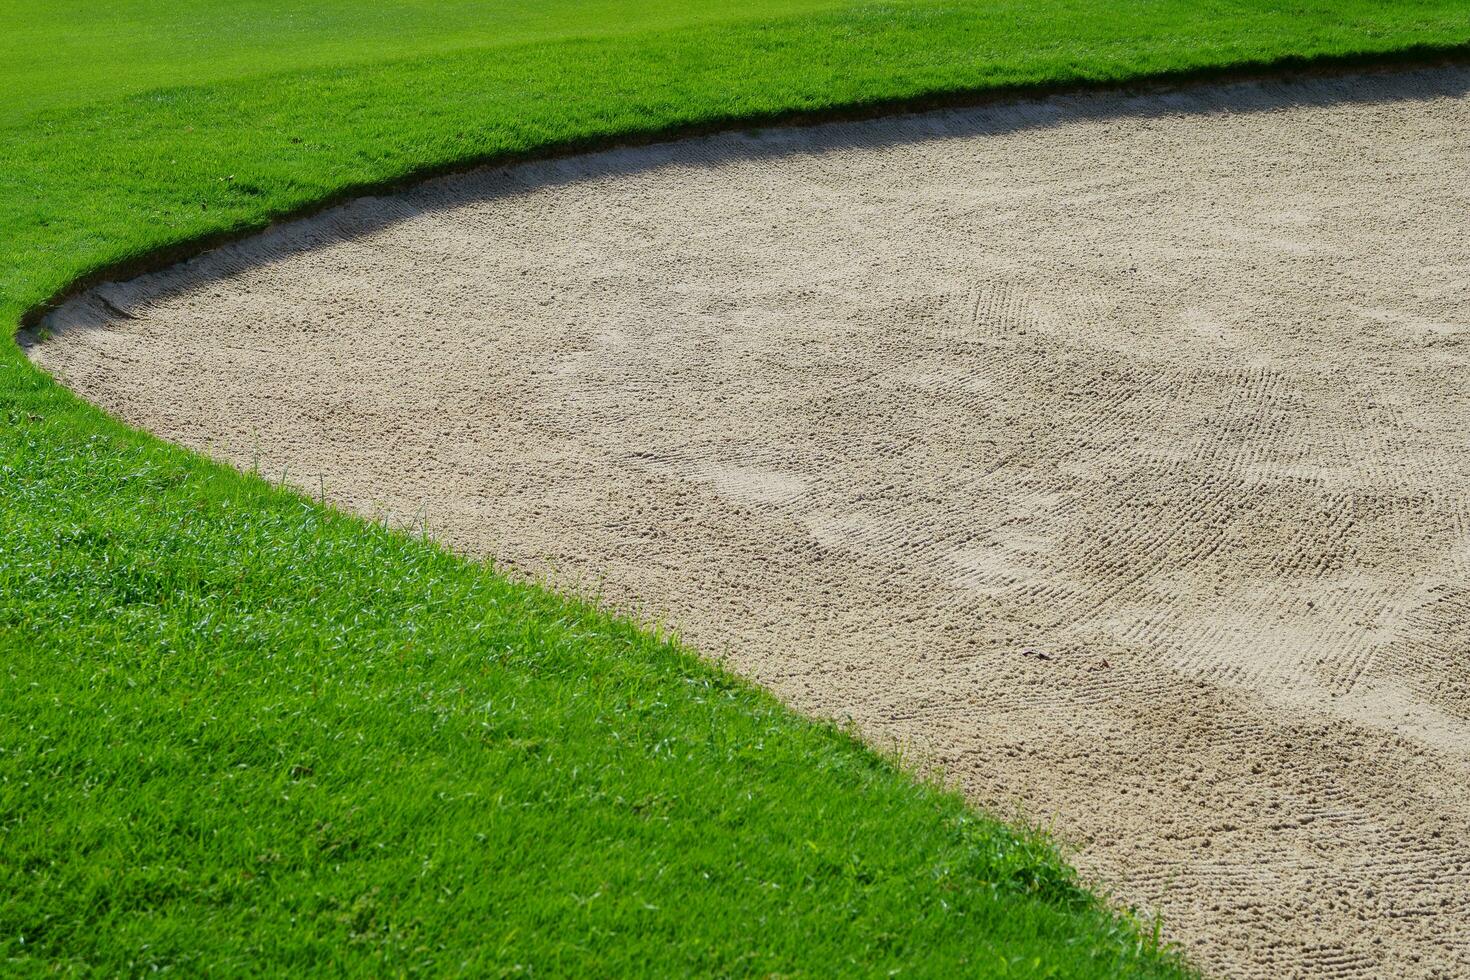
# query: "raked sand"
1111 452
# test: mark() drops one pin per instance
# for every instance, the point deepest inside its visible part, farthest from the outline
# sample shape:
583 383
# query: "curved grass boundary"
1286 67
241 732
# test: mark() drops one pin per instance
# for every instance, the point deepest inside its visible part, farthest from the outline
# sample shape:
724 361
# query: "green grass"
82 50
242 733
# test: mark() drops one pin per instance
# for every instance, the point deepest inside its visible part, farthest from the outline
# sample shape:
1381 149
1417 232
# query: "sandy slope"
1114 452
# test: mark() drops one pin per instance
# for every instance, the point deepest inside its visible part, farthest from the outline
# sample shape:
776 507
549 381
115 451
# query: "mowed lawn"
240 732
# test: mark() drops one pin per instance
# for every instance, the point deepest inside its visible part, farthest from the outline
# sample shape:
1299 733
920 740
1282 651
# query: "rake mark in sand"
1113 449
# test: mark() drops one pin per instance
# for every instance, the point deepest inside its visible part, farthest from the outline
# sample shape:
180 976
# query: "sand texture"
1112 452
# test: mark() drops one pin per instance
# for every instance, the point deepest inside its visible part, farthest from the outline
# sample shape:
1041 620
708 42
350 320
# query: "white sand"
1112 451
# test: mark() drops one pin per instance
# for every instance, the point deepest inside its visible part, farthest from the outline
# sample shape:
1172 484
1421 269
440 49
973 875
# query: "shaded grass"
239 732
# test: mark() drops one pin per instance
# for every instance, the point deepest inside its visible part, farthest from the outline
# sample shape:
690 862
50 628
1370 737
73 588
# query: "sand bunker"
1113 451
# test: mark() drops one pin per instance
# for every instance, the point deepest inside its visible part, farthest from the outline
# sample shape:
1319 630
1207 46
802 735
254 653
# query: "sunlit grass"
239 732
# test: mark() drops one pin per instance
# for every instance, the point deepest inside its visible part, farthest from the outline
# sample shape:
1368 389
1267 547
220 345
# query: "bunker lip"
1285 69
1106 448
